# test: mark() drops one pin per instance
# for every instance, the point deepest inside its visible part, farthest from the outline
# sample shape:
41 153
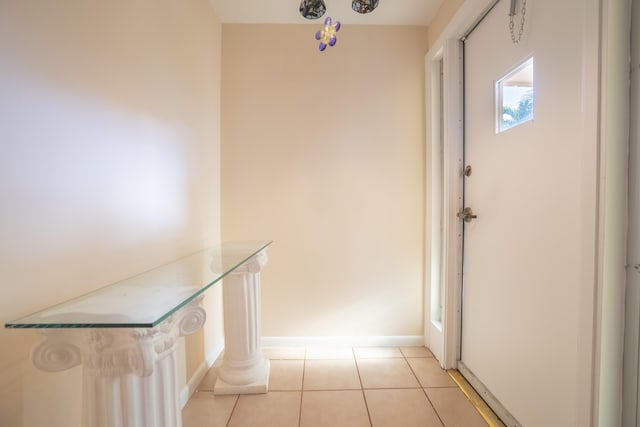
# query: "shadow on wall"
108 165
90 195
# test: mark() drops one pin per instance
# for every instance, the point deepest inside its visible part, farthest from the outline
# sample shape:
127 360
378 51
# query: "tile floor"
350 387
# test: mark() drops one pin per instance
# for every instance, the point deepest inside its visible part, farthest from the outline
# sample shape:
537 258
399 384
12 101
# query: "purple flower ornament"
327 35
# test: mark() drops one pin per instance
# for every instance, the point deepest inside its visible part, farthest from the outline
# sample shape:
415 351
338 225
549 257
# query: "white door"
526 255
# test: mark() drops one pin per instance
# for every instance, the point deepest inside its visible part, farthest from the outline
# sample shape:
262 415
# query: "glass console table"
124 335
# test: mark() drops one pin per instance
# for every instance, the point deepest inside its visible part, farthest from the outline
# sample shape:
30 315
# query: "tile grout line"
338 389
364 396
424 391
304 367
233 410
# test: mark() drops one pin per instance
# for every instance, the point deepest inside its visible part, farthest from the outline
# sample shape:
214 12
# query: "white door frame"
631 373
448 48
444 199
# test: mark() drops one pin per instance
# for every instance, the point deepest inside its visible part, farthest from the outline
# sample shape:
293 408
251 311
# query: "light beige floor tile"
416 352
276 408
376 352
285 353
325 353
429 372
206 410
286 375
333 409
401 407
386 373
331 375
454 408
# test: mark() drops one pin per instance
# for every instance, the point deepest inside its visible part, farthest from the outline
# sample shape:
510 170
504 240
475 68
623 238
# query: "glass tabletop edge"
18 324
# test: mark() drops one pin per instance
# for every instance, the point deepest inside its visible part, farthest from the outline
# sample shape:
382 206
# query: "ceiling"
388 12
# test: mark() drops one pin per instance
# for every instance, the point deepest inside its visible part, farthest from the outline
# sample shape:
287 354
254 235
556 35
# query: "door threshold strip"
480 405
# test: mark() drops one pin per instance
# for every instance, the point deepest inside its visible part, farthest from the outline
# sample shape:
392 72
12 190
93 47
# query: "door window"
515 97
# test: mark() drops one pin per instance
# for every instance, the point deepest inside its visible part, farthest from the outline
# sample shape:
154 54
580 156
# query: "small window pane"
515 97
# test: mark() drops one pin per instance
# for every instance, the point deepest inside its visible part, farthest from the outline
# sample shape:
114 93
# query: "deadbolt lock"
466 215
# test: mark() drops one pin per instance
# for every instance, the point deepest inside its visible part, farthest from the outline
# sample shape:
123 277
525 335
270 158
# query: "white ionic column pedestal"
244 369
129 374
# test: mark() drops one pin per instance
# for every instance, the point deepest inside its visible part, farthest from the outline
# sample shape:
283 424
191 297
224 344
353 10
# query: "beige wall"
323 153
109 165
444 15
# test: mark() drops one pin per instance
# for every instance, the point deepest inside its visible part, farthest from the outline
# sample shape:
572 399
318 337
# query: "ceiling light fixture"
312 9
364 6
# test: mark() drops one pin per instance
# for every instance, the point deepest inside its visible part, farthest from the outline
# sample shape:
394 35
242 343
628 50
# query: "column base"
260 386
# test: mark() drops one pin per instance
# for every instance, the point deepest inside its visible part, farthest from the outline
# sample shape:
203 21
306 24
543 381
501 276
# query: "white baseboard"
196 379
352 341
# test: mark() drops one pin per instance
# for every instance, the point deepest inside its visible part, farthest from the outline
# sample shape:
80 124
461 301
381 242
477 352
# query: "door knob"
466 215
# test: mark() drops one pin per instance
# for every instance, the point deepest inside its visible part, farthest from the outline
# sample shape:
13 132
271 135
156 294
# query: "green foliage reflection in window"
515 97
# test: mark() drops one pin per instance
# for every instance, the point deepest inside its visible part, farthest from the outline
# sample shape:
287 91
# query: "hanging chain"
512 25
